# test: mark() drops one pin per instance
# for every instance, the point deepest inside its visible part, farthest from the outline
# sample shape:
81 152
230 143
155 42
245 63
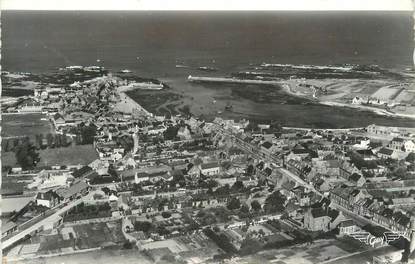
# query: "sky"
310 5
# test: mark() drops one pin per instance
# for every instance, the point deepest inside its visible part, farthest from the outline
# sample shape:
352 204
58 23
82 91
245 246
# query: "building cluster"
150 167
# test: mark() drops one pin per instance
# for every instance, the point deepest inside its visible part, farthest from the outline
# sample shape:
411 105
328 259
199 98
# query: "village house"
48 199
359 100
347 227
340 196
385 153
76 190
357 180
184 133
347 169
299 168
383 130
268 148
409 146
210 169
8 228
397 144
83 172
298 154
326 167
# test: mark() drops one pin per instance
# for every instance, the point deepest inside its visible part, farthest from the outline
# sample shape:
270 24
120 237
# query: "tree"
244 209
26 155
256 206
51 143
410 157
170 133
249 246
144 226
223 190
250 169
238 186
112 171
166 214
275 203
212 183
127 245
87 133
233 204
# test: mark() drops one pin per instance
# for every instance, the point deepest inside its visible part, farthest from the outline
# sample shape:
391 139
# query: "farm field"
72 155
19 125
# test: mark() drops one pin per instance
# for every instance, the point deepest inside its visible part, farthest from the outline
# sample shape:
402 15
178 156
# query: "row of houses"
362 203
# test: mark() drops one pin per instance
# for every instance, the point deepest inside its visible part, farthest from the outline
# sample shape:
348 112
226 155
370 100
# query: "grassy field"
8 159
318 252
73 155
24 125
157 102
81 154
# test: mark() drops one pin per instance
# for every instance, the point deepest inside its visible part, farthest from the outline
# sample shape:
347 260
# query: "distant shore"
368 108
286 87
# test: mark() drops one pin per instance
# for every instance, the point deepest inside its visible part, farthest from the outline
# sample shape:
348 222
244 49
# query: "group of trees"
170 133
148 227
10 144
144 226
221 240
237 187
275 203
82 211
26 155
85 132
52 141
233 204
244 210
41 141
359 162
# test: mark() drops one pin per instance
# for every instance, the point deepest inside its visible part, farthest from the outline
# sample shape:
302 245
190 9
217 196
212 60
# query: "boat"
181 66
125 71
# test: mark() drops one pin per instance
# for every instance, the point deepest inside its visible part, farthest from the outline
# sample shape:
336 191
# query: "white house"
184 133
347 227
409 146
210 169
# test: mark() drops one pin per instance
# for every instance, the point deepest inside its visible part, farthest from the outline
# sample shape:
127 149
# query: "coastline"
286 86
127 105
375 110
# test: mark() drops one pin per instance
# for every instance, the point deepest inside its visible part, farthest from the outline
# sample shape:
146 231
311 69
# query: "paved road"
33 228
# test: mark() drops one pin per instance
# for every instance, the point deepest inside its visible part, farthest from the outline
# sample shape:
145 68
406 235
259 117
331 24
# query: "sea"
151 44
